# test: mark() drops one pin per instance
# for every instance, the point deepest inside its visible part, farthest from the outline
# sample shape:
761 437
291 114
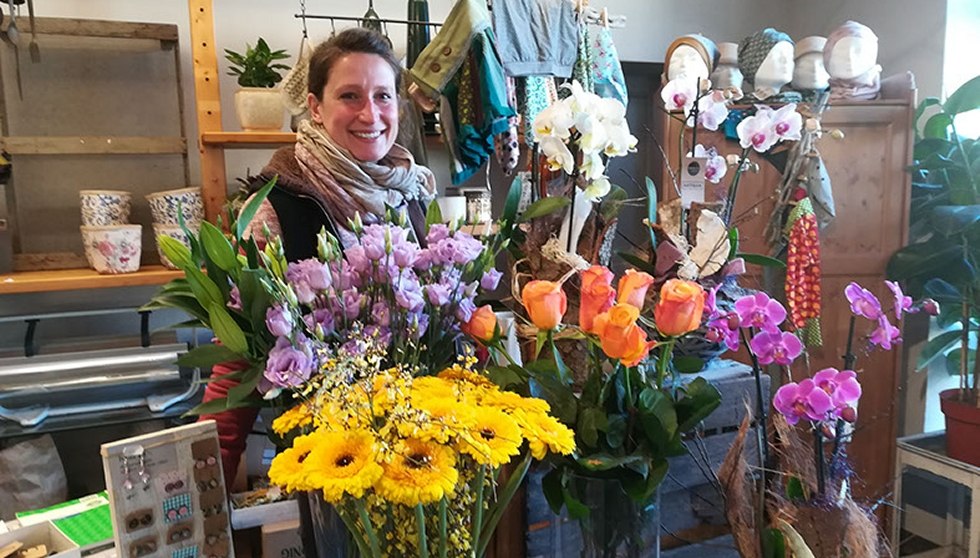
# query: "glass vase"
617 526
323 532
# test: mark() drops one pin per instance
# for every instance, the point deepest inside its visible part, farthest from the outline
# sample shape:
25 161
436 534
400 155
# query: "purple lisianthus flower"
418 323
234 299
374 248
279 321
760 311
842 387
410 299
885 335
779 347
357 259
863 302
351 301
437 232
490 279
322 317
381 314
405 254
437 293
465 309
288 366
381 335
902 303
308 277
804 400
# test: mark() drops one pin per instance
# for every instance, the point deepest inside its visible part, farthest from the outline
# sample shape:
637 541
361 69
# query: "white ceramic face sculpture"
852 57
809 72
777 67
726 73
686 62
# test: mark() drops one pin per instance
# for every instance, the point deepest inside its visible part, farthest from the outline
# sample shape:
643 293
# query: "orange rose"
597 295
545 303
482 325
633 287
620 336
680 307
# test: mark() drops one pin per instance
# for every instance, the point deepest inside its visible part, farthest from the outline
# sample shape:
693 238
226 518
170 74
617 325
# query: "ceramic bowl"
104 207
163 205
113 248
175 232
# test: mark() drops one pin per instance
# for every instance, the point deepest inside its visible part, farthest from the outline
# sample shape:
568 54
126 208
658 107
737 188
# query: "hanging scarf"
348 186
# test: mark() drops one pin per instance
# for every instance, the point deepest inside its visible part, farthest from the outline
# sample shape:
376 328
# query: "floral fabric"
607 72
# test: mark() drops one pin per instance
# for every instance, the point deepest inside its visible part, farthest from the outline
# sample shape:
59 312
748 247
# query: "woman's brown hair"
355 39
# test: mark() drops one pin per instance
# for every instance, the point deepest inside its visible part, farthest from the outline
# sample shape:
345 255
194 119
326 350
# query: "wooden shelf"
92 145
99 28
74 279
484 229
247 139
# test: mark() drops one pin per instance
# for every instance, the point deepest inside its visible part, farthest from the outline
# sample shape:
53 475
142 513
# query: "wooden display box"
43 533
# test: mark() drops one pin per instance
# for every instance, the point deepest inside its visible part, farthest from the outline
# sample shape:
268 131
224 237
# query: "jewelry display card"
167 494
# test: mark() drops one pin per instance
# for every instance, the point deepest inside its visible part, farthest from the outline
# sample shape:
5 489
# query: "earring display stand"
167 494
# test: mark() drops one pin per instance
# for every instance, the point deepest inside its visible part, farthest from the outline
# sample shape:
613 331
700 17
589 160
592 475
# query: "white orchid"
555 120
592 165
612 111
787 123
757 132
598 188
558 154
679 94
712 112
716 166
621 141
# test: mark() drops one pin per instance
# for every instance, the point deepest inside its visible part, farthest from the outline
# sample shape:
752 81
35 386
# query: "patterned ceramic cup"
114 248
163 205
175 232
104 207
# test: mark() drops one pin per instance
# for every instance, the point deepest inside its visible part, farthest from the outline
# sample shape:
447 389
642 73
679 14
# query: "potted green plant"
942 259
258 103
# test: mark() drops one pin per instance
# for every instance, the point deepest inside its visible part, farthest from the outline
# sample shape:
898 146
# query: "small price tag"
692 181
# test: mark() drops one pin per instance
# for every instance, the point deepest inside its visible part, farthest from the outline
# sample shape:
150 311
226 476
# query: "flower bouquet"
634 407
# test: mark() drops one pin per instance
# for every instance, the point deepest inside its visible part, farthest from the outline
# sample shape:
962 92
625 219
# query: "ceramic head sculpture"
851 58
727 74
809 73
766 61
690 56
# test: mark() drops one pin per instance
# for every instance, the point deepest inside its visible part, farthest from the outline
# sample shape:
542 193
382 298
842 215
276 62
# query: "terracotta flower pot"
962 427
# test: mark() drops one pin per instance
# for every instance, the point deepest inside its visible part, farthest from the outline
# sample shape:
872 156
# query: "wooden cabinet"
871 192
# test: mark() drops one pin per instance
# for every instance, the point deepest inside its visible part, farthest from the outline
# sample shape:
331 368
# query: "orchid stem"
849 357
838 446
818 457
760 405
733 189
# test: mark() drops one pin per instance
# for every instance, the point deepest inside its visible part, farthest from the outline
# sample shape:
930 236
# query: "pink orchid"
804 400
716 166
757 132
902 303
863 302
842 387
760 311
885 335
787 123
780 348
679 94
711 113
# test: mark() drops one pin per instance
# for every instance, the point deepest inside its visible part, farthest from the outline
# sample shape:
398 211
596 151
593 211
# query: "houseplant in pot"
942 258
258 103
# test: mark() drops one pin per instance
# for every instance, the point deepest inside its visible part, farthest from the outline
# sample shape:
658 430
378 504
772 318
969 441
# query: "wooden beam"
214 183
72 279
93 145
99 28
248 139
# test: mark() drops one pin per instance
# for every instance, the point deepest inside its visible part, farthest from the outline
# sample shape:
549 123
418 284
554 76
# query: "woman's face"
359 109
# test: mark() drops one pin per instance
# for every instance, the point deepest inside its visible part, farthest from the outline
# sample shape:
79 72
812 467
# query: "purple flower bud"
733 321
308 278
713 335
930 306
490 279
278 321
849 414
234 299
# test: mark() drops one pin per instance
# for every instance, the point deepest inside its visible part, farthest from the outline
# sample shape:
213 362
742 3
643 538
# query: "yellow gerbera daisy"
299 416
342 463
460 373
419 473
510 401
286 469
445 418
545 433
431 387
494 437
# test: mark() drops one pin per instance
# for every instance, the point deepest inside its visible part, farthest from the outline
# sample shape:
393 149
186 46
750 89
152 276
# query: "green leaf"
551 486
226 330
218 248
612 203
651 210
773 544
638 262
688 364
204 289
542 207
244 392
641 489
941 291
658 417
795 490
733 241
921 109
937 126
513 201
759 259
175 251
950 220
206 356
209 408
954 358
433 215
590 421
576 509
545 384
964 99
700 399
248 212
504 376
937 346
615 431
605 462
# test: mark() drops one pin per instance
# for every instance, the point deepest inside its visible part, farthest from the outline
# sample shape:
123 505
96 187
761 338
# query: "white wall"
911 33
